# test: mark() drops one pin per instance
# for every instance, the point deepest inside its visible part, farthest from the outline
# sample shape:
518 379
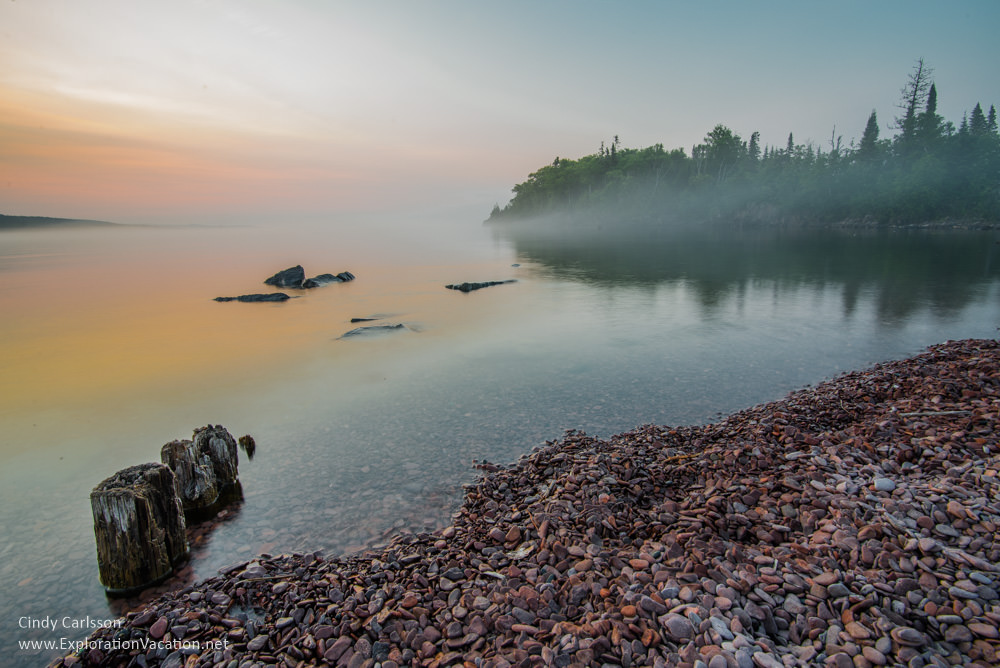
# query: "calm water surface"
111 345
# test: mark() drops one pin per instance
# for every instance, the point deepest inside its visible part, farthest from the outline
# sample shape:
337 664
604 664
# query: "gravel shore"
850 524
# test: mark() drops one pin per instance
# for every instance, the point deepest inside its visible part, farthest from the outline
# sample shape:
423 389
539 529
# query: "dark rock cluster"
293 277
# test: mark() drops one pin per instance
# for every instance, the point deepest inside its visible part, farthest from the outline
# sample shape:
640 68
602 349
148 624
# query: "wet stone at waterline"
707 545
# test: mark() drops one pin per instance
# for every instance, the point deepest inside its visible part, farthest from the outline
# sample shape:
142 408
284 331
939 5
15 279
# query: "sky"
209 111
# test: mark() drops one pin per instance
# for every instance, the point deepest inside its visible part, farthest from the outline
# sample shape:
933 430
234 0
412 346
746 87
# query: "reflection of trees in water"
904 271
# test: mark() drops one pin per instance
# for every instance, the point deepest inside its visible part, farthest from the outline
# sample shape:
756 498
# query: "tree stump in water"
205 468
194 477
220 446
139 526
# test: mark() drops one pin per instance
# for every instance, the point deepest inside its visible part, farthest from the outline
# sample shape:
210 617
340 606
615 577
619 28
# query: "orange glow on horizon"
103 157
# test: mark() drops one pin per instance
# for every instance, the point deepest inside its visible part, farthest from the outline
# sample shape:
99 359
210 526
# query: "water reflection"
904 271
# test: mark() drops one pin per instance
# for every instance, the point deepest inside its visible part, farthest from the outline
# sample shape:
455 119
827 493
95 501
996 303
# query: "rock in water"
249 446
266 297
469 287
293 277
321 280
372 330
139 527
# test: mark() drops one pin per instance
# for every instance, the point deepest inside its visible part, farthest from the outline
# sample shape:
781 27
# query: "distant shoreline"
19 222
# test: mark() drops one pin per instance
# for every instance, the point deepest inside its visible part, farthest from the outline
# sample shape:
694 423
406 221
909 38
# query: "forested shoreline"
929 170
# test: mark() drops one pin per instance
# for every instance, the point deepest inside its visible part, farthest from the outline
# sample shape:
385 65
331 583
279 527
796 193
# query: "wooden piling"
139 526
205 468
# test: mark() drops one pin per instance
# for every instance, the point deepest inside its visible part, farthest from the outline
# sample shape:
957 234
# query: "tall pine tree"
977 122
930 125
869 140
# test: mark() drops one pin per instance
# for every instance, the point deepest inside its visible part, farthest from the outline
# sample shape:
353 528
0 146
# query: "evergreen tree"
977 122
753 152
930 125
991 120
914 95
869 140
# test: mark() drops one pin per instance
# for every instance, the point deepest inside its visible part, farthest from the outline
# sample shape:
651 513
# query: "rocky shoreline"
850 524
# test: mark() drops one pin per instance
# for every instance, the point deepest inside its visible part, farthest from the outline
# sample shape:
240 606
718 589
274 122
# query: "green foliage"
927 172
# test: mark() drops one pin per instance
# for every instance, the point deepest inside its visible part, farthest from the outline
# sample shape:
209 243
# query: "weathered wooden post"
139 526
220 446
205 468
194 477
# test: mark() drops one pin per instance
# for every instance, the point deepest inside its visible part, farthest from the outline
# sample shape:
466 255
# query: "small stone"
793 605
652 606
826 579
875 657
766 660
337 649
258 643
857 631
957 633
956 509
840 660
159 628
958 592
676 626
883 485
984 630
838 590
928 545
718 661
908 636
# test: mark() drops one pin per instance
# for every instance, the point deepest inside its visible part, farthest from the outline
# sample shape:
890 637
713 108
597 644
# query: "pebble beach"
850 524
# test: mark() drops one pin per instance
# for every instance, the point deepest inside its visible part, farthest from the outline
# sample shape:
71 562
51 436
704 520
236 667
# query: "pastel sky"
213 110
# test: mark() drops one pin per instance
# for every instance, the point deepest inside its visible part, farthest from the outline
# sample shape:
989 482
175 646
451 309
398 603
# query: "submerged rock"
292 277
267 297
372 330
469 287
319 281
327 279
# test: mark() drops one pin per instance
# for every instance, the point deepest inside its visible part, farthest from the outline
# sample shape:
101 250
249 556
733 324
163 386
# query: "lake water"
111 345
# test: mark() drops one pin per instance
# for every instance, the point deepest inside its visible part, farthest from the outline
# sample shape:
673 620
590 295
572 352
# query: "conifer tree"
869 140
914 95
930 125
977 122
753 152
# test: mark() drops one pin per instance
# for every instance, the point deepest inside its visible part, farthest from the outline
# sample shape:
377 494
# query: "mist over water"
112 345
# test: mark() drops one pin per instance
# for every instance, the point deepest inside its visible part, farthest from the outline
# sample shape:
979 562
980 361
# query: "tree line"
929 170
